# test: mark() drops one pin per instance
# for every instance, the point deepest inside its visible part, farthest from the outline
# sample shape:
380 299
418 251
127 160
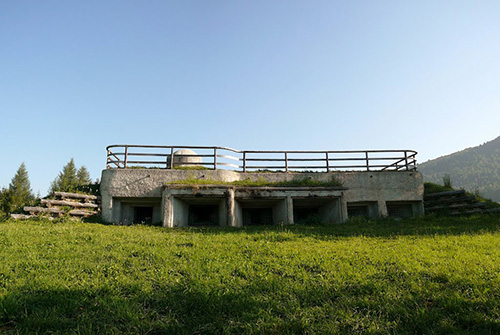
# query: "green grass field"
418 276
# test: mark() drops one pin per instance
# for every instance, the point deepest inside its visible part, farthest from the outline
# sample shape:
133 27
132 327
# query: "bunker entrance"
257 216
399 209
313 210
137 210
203 215
256 212
306 215
357 211
362 209
143 215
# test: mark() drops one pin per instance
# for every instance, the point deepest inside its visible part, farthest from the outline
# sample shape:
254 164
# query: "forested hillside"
476 168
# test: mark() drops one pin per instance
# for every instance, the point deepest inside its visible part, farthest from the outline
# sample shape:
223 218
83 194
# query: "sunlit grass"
432 275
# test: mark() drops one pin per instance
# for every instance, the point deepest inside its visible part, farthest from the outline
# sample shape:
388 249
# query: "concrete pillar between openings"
167 210
382 208
280 212
180 212
289 210
231 208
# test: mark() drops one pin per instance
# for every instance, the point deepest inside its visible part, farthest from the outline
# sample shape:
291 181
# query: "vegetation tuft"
305 182
197 167
431 275
430 188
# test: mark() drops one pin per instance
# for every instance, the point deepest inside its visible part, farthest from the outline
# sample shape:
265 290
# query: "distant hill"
476 168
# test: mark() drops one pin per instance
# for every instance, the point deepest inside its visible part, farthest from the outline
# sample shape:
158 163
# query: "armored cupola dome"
186 157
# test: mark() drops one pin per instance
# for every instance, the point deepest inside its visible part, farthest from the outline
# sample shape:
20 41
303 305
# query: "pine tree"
19 192
83 176
67 180
4 202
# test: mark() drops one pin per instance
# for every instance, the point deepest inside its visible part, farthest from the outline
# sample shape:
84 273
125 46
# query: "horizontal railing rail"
122 156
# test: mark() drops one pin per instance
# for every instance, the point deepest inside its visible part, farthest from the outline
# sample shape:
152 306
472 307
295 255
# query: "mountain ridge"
476 169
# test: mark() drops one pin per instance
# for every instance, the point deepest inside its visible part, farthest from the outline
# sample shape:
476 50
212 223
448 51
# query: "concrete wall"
370 187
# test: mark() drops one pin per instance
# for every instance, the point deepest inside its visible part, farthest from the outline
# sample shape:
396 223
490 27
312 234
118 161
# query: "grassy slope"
432 275
430 188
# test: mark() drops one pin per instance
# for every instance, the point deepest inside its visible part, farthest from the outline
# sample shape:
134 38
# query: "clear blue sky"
76 76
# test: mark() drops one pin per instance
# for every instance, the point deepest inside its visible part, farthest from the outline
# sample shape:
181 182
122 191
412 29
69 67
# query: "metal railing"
169 157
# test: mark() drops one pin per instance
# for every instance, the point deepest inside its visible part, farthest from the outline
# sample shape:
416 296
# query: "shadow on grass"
167 310
257 309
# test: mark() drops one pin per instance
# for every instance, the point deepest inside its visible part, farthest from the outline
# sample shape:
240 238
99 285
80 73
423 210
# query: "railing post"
126 157
215 158
286 161
244 161
107 160
406 161
327 162
367 161
172 158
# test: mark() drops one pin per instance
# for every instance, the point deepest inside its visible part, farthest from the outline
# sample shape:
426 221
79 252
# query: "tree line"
19 193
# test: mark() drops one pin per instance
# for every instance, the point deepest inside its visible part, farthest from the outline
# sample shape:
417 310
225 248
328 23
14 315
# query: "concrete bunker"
226 187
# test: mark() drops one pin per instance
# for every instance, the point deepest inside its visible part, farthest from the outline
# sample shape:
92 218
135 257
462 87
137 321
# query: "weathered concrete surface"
177 201
374 188
231 202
